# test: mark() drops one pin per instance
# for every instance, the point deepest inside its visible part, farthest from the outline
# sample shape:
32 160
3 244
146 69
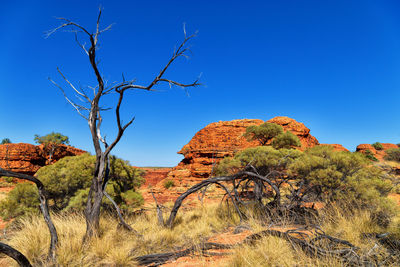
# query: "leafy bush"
263 133
285 140
322 173
23 199
67 183
377 146
169 184
393 154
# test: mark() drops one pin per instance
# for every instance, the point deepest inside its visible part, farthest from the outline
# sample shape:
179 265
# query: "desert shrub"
369 155
5 141
67 183
323 174
169 184
393 154
377 146
23 199
285 140
263 133
264 158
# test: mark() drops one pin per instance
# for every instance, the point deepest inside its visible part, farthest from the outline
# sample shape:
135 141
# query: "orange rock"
337 147
297 128
28 158
379 154
216 141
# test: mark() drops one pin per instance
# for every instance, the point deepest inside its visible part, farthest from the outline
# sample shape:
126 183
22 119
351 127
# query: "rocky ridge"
28 158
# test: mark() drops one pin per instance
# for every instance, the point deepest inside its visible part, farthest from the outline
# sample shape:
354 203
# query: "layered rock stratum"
28 158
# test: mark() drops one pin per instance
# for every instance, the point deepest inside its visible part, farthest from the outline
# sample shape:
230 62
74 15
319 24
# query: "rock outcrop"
379 154
216 141
28 158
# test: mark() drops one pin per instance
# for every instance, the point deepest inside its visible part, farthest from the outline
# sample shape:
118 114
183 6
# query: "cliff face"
28 158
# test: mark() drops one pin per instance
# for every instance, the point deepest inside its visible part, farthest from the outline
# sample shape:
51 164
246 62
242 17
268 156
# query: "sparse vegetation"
369 155
393 154
377 146
168 184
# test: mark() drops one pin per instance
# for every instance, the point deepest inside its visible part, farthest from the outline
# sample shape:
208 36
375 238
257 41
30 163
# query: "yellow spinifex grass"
115 246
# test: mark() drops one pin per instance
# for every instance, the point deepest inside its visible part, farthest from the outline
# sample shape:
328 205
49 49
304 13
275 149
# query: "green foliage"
53 138
393 154
264 158
5 141
377 146
23 199
68 180
169 184
325 174
285 140
369 155
263 133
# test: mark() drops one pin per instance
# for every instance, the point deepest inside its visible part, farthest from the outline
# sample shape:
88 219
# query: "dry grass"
117 247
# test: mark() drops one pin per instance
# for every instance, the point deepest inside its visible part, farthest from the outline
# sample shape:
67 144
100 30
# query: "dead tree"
89 107
43 207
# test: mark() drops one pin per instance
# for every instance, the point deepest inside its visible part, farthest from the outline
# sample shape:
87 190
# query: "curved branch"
43 207
15 254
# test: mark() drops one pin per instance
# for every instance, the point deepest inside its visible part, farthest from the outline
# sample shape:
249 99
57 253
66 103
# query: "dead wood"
43 207
15 254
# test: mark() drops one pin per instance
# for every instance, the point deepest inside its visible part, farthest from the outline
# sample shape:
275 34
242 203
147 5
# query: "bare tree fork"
90 109
332 247
160 216
43 207
217 180
15 254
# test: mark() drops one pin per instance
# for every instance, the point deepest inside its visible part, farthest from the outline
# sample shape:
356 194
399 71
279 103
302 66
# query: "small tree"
50 142
393 154
89 108
263 133
285 140
5 141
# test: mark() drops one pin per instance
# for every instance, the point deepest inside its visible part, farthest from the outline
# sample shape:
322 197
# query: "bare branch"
77 107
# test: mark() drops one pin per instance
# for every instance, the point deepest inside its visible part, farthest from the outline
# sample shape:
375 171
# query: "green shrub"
67 183
23 199
285 140
369 155
263 133
393 154
377 146
168 184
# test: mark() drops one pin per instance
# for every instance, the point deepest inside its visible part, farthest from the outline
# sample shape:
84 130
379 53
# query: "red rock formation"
216 141
379 154
297 128
337 147
154 175
27 158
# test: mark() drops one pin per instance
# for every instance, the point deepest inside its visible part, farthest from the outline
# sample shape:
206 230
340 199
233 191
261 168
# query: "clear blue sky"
333 65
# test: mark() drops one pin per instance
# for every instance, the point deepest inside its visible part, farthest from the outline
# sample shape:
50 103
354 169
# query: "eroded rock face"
28 158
